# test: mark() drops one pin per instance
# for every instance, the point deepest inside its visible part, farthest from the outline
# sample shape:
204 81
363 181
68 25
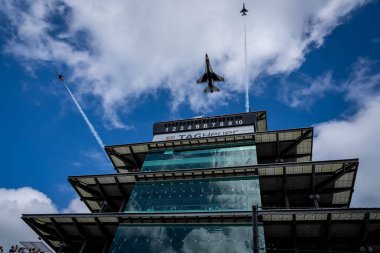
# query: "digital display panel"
206 123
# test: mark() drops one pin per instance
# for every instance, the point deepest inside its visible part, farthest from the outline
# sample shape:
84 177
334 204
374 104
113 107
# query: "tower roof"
290 145
340 229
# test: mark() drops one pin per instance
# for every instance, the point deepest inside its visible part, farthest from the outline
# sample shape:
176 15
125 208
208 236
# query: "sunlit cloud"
122 52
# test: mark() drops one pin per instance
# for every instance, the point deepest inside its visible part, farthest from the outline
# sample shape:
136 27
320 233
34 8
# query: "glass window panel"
231 194
216 156
185 238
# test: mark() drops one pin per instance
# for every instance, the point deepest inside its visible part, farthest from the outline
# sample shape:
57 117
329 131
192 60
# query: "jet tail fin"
211 90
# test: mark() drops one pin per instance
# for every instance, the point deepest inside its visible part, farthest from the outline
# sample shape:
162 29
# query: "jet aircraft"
60 76
244 11
210 77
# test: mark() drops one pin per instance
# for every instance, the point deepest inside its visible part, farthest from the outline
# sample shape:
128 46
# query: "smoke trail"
247 107
90 126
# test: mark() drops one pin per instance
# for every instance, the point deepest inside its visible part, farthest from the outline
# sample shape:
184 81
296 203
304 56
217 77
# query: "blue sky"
132 64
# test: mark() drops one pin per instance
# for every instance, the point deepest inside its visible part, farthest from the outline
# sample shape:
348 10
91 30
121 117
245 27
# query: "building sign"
208 123
204 133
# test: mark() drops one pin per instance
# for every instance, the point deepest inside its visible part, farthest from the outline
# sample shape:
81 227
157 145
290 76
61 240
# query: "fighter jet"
210 77
244 11
60 76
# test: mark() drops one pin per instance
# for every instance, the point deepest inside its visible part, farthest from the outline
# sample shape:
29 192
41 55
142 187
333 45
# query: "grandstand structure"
216 184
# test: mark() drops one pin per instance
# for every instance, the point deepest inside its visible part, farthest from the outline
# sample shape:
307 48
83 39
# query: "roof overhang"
338 230
291 145
281 185
286 229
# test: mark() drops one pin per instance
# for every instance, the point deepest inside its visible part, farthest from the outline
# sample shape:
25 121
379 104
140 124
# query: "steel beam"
102 229
135 159
294 143
58 228
104 195
82 248
294 232
256 240
127 162
338 174
80 229
285 183
120 187
87 189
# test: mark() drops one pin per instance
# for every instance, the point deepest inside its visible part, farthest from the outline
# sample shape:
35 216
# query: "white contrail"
246 80
90 126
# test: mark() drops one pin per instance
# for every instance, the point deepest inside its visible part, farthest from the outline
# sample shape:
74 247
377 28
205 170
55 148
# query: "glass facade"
184 238
195 195
224 194
207 157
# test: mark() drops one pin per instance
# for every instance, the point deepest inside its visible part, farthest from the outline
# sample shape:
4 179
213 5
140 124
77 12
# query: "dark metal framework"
287 229
292 145
255 228
287 185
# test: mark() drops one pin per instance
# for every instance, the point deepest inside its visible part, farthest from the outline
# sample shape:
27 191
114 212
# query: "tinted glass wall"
196 195
224 194
207 157
184 238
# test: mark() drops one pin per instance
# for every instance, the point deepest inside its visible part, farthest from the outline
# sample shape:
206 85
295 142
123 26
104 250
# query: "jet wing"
217 78
202 79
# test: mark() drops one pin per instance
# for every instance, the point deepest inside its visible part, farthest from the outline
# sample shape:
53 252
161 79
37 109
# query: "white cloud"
92 157
300 96
364 81
362 84
357 136
13 203
123 51
76 206
26 200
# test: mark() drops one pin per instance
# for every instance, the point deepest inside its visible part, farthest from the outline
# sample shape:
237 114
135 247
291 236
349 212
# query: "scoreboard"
205 127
